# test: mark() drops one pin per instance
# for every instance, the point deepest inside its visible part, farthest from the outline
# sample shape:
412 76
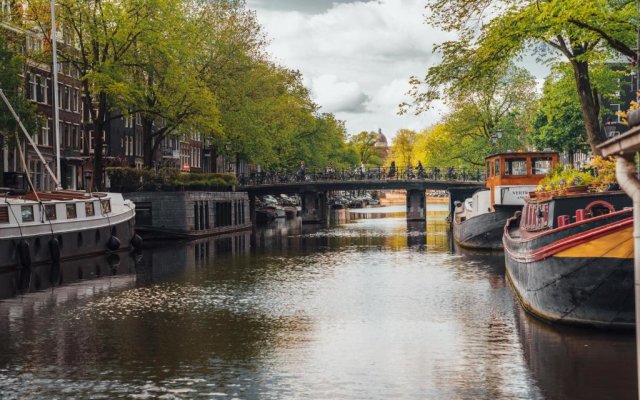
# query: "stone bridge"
313 188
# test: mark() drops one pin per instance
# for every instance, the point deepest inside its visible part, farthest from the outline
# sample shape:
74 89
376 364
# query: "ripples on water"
376 308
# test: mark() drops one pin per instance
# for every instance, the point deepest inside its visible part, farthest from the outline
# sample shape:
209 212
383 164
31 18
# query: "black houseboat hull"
483 231
581 273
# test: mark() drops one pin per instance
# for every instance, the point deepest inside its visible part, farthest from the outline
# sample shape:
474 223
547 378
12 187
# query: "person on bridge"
302 172
330 170
363 169
420 170
392 169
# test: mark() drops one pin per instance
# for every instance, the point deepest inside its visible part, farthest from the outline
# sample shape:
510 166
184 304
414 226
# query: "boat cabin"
511 176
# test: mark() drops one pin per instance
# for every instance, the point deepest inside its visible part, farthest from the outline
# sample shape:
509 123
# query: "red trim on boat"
568 242
550 231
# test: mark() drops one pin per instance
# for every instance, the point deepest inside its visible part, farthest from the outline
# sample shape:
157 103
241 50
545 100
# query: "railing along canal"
369 174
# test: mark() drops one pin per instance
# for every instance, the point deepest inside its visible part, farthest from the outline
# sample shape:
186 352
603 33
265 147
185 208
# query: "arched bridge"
313 186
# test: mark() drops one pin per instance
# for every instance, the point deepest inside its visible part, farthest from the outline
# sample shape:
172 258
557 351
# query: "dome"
381 141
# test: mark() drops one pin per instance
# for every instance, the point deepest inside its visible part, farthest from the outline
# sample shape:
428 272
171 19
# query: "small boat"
478 221
265 215
570 258
291 211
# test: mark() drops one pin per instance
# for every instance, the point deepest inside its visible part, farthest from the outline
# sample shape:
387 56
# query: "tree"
11 68
364 145
581 32
402 147
172 92
498 105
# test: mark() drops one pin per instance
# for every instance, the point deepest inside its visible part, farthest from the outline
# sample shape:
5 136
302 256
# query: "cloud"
337 96
356 56
311 7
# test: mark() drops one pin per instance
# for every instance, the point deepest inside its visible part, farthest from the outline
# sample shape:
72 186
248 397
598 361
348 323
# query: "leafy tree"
11 68
581 32
494 104
402 147
105 34
172 93
364 145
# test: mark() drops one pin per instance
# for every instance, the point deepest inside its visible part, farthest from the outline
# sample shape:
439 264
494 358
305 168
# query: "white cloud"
356 56
337 96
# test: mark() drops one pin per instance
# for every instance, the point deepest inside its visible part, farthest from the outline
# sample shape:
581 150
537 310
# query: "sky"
355 56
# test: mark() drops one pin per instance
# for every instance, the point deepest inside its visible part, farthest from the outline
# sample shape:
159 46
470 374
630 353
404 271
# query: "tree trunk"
589 104
147 140
98 128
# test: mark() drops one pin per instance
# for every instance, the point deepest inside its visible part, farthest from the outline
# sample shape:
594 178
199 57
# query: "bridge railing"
356 174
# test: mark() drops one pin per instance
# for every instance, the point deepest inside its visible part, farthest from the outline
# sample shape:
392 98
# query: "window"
32 87
74 100
488 173
497 168
4 215
138 119
106 206
89 210
515 166
71 211
40 89
66 100
541 166
44 133
27 213
50 211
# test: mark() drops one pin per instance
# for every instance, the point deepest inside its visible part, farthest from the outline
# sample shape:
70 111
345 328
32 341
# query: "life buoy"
136 241
54 249
24 252
113 243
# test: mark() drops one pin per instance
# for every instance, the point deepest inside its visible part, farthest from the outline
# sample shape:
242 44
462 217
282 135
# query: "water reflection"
370 308
571 363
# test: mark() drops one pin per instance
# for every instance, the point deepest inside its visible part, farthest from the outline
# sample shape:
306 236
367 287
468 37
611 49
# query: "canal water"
371 307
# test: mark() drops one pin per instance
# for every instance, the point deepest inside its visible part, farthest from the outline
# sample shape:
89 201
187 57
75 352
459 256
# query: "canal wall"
189 214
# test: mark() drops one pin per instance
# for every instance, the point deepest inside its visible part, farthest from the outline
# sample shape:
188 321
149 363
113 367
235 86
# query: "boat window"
71 211
50 211
488 169
597 208
106 206
4 215
497 167
515 166
27 213
541 166
90 211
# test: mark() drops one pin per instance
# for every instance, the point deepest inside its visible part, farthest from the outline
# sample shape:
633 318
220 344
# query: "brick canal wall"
189 214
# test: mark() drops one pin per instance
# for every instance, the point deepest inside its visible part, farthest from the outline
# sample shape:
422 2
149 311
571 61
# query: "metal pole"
28 137
54 73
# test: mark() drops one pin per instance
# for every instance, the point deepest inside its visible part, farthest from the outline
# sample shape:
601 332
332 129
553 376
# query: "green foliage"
363 144
11 67
559 122
131 177
402 147
581 32
503 103
563 177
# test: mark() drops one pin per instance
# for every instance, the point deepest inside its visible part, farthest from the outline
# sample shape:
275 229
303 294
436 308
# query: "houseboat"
50 227
479 221
570 258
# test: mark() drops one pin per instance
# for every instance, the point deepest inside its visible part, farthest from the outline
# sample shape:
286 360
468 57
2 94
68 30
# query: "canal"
370 308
